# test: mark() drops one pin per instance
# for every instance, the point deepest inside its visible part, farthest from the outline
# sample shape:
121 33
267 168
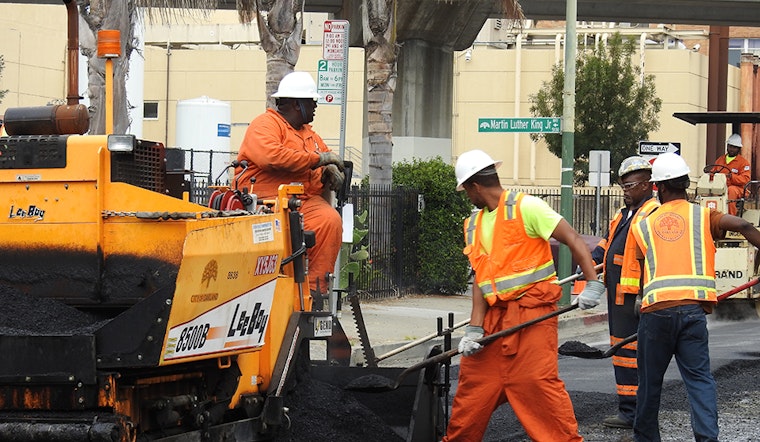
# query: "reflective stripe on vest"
514 282
700 285
493 281
630 273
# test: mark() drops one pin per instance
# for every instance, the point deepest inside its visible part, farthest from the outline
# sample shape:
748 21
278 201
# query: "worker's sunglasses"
629 186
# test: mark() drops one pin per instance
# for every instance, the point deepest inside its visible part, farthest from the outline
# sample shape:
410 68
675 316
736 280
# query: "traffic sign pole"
344 95
568 140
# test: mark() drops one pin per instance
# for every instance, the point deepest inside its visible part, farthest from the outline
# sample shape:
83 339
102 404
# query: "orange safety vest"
630 271
516 261
679 254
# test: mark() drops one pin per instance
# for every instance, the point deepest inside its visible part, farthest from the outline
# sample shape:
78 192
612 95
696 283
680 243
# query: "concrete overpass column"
423 102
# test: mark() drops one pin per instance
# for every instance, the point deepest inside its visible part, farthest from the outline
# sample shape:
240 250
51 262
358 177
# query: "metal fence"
393 215
584 206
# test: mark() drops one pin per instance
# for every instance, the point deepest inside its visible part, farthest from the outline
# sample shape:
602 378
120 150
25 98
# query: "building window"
739 46
150 110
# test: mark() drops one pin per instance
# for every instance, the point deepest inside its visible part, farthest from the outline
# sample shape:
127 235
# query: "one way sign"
650 149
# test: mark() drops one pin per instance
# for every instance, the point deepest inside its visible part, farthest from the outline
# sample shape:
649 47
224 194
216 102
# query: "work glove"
326 158
637 306
591 294
332 177
467 345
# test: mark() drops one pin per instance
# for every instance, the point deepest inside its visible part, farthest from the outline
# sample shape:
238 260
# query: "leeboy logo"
33 212
244 323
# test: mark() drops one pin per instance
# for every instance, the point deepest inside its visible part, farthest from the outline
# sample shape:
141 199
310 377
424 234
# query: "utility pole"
568 140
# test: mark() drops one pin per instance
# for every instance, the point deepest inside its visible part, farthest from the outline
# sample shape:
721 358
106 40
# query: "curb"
582 321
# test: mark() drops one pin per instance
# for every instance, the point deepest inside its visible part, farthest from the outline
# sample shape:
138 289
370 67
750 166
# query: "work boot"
617 422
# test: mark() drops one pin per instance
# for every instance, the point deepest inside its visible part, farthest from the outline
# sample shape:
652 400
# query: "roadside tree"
441 266
616 104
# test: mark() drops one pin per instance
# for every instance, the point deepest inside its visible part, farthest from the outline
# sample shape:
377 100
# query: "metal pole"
344 94
598 197
568 140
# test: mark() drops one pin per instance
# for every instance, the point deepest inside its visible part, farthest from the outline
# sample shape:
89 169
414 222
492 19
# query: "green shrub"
441 266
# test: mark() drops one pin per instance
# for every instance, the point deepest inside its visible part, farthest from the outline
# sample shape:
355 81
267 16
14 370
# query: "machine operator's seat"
712 184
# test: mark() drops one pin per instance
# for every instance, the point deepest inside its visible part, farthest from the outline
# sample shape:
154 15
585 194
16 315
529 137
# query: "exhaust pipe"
72 52
71 118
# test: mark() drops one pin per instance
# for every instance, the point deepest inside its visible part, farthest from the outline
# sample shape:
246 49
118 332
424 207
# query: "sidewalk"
394 322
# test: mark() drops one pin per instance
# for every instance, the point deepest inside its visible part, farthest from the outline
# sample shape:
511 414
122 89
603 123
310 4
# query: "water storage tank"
203 125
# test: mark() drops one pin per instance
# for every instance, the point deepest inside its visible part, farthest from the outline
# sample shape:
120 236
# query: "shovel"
431 336
581 350
375 383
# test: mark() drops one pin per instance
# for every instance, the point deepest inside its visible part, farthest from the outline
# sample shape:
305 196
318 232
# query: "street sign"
540 125
330 77
599 168
334 39
650 149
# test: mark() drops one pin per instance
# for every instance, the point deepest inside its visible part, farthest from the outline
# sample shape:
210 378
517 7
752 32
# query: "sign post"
598 175
332 71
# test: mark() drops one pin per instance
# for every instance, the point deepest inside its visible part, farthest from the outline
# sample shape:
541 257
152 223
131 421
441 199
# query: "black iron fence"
392 218
584 206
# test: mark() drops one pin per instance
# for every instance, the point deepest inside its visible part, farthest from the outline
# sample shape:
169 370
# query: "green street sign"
539 125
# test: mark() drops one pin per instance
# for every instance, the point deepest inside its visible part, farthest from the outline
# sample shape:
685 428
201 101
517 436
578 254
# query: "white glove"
468 346
591 294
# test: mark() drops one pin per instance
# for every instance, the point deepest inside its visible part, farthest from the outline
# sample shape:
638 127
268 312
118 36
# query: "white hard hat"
735 140
297 84
470 163
667 166
632 164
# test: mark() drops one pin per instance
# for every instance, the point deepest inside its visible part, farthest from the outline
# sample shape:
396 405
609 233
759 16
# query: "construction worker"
677 254
507 243
621 270
281 147
737 171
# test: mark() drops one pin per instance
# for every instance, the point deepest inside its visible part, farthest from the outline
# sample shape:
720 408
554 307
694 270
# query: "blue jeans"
679 331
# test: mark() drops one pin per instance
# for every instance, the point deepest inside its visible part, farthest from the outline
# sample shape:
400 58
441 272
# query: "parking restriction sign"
334 39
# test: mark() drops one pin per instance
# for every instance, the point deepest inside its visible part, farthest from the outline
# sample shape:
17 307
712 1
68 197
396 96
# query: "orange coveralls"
739 177
279 154
520 368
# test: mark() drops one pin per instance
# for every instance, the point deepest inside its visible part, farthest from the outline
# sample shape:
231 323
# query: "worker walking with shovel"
507 243
677 253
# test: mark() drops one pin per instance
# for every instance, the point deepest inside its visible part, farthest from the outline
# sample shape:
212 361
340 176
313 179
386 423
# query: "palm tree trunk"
378 23
107 14
280 24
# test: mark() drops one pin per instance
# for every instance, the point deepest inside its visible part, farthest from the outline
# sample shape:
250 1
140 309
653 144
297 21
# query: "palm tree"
381 51
279 23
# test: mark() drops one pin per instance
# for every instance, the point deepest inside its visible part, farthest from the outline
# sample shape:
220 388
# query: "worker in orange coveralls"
737 169
507 243
281 148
